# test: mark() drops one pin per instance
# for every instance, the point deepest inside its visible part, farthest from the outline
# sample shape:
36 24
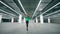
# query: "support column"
36 20
0 18
24 20
12 20
41 19
48 20
20 18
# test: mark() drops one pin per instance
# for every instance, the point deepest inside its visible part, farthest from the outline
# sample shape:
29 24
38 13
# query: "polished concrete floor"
34 28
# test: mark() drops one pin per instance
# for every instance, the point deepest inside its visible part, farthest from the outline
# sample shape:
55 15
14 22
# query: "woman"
27 18
27 22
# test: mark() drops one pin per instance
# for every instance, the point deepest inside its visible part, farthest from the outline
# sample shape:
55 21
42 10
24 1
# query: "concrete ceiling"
30 7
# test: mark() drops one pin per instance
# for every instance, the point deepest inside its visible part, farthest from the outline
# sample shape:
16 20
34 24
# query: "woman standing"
27 22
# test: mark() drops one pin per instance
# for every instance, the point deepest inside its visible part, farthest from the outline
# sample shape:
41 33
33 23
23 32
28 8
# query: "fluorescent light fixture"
7 12
36 8
8 6
22 6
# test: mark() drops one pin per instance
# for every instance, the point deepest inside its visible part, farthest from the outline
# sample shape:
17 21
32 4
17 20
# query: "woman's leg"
27 25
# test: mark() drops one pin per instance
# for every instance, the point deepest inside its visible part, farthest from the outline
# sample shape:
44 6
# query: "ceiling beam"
8 6
55 16
22 6
11 6
50 4
53 13
17 3
7 16
36 8
8 13
50 8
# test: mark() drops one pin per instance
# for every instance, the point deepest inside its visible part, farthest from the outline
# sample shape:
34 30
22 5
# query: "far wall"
55 21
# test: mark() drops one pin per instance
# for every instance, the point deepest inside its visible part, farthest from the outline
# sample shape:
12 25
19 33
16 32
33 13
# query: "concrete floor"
34 28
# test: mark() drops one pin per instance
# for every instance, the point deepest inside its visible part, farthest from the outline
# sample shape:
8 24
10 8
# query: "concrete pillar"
24 20
12 20
41 19
36 20
48 20
20 18
0 18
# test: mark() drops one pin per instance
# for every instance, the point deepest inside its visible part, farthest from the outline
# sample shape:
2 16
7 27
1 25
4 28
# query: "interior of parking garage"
29 16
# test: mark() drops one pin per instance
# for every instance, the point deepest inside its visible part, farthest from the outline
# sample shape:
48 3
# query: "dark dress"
27 22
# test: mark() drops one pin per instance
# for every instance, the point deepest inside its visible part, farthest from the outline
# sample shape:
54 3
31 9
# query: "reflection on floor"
34 28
